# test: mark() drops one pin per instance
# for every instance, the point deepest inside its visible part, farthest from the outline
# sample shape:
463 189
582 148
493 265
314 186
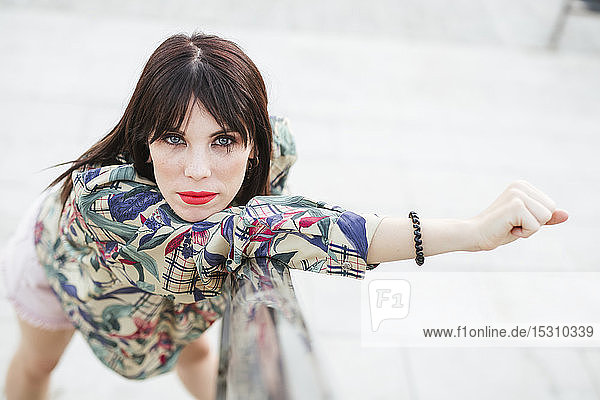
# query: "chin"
191 213
194 216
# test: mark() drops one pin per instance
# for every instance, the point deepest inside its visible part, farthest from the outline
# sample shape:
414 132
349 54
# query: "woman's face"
199 170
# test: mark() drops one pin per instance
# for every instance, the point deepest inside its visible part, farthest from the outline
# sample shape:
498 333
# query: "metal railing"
265 350
571 7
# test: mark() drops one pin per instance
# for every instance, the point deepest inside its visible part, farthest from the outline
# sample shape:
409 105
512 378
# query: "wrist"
463 236
448 235
472 237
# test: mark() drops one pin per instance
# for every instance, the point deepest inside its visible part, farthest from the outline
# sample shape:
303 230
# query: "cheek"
161 168
165 165
234 170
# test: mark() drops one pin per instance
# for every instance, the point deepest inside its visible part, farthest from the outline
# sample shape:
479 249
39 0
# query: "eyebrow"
211 135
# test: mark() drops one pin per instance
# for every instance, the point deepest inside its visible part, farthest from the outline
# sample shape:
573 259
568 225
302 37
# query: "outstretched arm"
519 211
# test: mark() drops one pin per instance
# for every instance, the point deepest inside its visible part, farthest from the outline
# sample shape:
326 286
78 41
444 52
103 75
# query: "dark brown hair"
203 68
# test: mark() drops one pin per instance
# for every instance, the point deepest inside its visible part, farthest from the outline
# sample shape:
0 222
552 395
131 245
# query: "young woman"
133 248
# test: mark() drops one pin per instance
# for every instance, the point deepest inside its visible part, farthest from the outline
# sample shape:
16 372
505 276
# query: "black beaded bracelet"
420 258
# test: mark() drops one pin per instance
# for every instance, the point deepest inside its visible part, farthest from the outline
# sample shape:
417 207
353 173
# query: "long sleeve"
125 221
307 235
144 242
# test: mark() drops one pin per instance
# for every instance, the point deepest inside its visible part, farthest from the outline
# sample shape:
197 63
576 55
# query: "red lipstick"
196 198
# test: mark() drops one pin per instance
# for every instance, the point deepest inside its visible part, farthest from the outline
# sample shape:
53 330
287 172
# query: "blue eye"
174 140
224 141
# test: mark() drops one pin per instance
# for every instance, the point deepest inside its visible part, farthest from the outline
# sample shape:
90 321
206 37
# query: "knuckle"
516 184
522 182
514 192
517 203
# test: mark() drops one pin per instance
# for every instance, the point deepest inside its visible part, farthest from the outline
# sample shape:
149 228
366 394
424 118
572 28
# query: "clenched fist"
518 212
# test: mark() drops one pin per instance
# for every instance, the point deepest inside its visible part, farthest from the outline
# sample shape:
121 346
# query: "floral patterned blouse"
140 283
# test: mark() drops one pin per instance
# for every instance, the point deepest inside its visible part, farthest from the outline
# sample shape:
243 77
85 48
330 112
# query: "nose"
197 165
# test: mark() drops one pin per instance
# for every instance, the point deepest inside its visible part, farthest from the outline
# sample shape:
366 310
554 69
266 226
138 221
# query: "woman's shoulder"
283 154
283 141
90 178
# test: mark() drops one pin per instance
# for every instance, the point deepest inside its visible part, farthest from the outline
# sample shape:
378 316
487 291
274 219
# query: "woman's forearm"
518 212
393 239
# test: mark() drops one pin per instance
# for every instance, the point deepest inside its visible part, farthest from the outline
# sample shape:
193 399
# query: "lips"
196 198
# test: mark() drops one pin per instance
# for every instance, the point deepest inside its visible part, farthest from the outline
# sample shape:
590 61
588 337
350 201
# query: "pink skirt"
24 278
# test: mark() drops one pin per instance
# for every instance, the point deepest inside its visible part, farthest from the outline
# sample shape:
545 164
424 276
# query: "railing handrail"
265 350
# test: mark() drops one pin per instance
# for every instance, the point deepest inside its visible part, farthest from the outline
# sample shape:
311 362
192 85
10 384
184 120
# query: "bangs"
188 70
193 83
198 70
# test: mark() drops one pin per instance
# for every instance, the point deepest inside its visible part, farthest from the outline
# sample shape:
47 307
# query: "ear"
252 153
149 160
